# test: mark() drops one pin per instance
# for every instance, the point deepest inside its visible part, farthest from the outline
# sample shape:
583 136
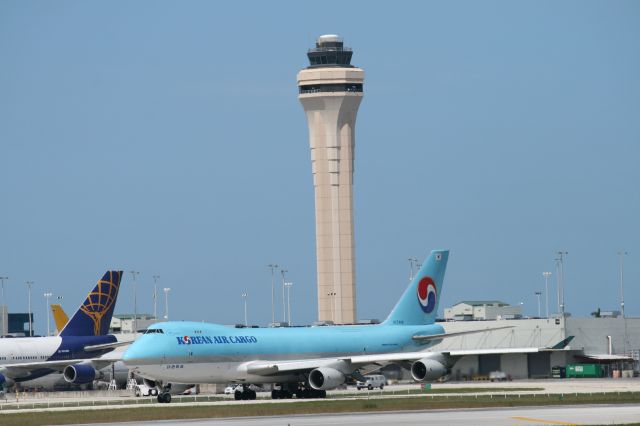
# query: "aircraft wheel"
381 387
164 397
275 394
237 395
252 395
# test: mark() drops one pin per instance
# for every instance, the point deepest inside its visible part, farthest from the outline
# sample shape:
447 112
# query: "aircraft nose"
133 355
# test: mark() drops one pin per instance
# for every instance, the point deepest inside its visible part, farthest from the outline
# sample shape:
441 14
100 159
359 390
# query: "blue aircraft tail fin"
419 302
94 315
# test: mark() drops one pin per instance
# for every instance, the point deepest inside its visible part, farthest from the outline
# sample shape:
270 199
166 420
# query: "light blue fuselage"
195 352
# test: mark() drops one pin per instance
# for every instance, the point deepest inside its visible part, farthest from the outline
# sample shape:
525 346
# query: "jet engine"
324 378
427 369
5 381
79 374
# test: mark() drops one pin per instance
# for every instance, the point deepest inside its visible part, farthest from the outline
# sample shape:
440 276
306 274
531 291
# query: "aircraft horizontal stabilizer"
422 338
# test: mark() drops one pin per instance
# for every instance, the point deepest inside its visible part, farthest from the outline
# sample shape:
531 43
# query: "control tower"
330 90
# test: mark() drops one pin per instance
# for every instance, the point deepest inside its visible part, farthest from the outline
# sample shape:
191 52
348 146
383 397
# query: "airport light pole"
166 302
332 294
561 256
288 286
546 276
284 307
135 303
244 299
622 254
538 293
558 283
155 296
4 309
273 267
29 284
412 261
47 296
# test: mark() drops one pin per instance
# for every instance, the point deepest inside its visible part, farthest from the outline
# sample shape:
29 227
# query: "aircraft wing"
24 369
607 357
269 368
560 346
91 348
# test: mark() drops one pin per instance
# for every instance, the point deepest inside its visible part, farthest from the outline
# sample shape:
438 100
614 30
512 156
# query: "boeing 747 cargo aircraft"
303 361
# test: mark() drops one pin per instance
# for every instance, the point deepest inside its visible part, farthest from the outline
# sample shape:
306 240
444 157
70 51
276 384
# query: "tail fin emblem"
427 294
100 300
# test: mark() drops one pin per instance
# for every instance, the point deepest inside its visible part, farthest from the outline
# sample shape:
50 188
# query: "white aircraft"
304 361
80 349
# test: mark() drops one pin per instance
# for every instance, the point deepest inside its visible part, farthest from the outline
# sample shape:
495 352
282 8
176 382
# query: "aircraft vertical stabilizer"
94 315
60 317
419 303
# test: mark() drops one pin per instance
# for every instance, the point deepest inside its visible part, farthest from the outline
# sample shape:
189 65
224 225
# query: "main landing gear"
304 392
164 395
244 394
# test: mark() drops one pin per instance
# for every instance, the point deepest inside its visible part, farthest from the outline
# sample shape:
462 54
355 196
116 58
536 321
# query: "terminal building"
612 342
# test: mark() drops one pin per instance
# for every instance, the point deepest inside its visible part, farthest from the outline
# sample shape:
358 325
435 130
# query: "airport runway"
564 415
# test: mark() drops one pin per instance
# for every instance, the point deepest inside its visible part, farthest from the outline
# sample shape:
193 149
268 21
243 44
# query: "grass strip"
166 411
435 390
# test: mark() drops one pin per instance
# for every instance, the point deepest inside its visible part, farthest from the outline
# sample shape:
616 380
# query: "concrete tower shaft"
330 92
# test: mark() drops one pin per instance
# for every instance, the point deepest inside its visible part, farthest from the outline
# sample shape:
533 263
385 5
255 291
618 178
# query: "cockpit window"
153 330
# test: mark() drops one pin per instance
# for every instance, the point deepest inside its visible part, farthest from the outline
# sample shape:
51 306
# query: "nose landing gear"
164 395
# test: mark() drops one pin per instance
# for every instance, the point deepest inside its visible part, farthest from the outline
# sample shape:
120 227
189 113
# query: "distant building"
125 323
17 323
482 310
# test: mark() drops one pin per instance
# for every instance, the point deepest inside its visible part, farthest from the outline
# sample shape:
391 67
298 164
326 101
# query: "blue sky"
167 138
